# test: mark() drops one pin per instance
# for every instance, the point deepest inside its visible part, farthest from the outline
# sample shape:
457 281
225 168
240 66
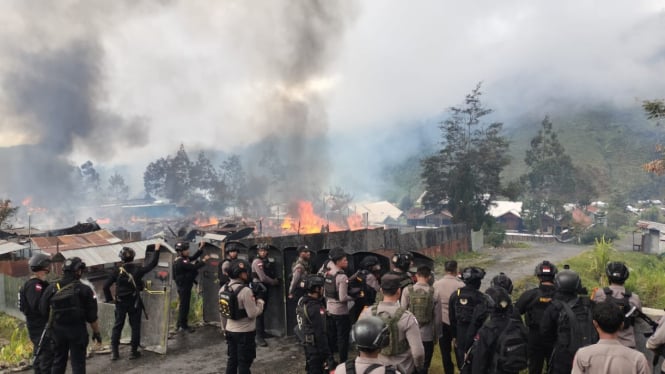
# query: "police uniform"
30 296
129 283
609 356
312 314
657 340
299 271
373 281
445 287
70 335
409 332
364 363
468 310
185 270
263 271
223 271
338 308
241 333
432 330
532 304
626 334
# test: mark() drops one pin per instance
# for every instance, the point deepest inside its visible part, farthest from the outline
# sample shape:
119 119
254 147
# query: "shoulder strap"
350 367
607 291
129 275
371 368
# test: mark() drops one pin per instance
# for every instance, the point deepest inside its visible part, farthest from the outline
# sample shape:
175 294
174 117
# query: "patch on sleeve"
38 287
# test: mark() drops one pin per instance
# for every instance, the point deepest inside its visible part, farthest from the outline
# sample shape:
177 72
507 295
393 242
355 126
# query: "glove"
97 337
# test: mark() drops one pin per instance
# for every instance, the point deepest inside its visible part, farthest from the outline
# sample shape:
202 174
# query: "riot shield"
420 259
319 259
290 256
156 299
275 308
359 256
209 283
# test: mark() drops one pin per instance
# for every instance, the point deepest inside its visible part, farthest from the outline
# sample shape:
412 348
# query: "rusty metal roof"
108 254
54 244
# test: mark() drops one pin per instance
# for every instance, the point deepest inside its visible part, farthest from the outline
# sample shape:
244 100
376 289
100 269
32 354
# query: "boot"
134 355
260 341
115 353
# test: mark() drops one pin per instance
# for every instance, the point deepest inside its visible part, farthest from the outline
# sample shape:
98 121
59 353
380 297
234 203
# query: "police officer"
445 287
231 250
263 271
401 263
241 332
617 274
128 278
407 352
486 340
29 297
609 354
72 304
656 342
336 292
430 322
503 281
311 316
299 271
568 285
372 267
468 308
185 270
370 335
532 304
364 285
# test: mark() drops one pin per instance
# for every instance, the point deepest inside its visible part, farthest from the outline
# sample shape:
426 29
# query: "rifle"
139 304
660 351
468 356
40 344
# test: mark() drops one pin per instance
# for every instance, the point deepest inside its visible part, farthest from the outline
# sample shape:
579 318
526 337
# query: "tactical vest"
350 367
228 302
66 304
305 331
24 304
269 267
396 345
421 304
536 308
127 286
622 303
330 285
466 303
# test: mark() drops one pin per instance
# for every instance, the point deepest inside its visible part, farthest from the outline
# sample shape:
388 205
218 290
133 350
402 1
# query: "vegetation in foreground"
16 347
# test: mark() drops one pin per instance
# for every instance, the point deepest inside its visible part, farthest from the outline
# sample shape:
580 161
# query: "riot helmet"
238 266
617 272
303 248
500 297
336 254
503 281
546 271
402 260
181 246
312 281
473 274
126 254
567 281
39 261
72 265
370 263
370 333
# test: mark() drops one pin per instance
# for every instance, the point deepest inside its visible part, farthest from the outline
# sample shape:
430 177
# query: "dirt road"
204 351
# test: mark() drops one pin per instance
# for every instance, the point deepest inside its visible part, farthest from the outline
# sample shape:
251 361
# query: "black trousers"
185 296
429 352
445 345
538 351
561 362
342 330
241 352
314 360
123 309
260 321
72 341
43 362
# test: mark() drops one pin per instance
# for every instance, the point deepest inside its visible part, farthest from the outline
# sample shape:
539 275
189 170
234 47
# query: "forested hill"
608 144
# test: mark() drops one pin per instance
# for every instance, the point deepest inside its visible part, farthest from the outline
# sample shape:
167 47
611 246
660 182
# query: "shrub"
596 233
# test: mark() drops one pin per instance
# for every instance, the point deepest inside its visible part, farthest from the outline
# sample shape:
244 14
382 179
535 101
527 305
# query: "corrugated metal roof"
8 247
499 208
53 244
108 254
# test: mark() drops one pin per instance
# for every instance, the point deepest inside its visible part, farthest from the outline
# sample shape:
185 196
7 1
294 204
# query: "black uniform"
29 296
312 316
185 272
70 336
533 304
486 342
127 298
468 310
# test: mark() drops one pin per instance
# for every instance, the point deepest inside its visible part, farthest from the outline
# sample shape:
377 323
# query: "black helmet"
617 272
370 333
500 297
126 254
232 247
303 248
370 263
73 265
402 260
546 270
336 253
503 281
237 267
567 281
181 246
261 246
472 273
39 261
312 281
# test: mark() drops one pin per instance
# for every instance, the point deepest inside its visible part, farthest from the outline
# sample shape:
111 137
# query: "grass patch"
16 346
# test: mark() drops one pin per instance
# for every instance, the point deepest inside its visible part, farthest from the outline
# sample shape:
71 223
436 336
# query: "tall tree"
465 172
203 174
233 176
7 211
655 109
117 189
170 177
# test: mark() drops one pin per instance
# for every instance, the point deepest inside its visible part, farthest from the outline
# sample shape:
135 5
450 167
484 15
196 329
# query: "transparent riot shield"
209 283
156 299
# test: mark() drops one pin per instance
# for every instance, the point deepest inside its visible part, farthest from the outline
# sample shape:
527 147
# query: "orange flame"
305 221
206 221
27 203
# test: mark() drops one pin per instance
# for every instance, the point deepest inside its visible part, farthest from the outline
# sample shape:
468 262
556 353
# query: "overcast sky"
206 73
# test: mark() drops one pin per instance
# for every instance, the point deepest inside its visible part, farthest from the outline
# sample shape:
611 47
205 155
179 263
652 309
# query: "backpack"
396 345
465 305
330 286
575 325
228 303
350 367
66 304
536 308
511 347
623 304
421 304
